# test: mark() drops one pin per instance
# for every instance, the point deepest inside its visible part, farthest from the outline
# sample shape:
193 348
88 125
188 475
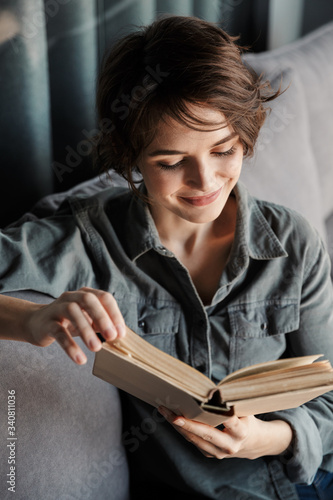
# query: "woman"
189 260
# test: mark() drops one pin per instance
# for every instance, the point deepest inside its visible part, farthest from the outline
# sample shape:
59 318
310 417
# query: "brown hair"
156 71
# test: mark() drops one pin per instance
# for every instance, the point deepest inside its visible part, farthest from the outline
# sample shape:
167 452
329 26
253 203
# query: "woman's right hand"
81 313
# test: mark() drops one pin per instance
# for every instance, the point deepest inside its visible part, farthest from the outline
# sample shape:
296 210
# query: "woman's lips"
200 201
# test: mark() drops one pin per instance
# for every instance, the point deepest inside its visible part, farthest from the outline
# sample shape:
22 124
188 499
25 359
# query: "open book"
137 367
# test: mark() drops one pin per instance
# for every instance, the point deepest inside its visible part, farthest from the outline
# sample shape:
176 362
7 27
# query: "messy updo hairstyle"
154 73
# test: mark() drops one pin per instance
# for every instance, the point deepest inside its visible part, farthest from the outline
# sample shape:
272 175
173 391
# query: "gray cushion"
329 227
283 169
68 426
311 58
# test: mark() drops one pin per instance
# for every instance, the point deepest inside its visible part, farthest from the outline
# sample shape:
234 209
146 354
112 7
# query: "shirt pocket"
158 323
258 330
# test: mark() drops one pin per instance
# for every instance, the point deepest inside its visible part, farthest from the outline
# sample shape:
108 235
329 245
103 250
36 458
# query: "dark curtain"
25 115
50 52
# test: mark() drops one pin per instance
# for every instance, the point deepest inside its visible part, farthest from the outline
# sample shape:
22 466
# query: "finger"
107 318
88 318
205 442
80 326
185 427
235 427
89 300
66 341
210 441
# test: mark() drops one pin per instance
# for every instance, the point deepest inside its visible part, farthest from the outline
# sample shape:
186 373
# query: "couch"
68 422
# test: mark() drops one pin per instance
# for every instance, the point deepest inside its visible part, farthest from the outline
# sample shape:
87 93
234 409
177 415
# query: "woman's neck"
183 237
203 249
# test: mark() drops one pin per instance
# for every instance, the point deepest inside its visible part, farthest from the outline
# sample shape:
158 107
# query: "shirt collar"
254 236
253 229
140 228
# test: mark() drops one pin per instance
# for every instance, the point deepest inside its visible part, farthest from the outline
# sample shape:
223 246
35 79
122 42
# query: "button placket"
142 324
200 345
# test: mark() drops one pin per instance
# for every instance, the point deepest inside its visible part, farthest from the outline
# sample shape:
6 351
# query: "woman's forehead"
171 132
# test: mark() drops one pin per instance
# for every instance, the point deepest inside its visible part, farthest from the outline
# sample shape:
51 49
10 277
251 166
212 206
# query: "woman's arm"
312 422
80 313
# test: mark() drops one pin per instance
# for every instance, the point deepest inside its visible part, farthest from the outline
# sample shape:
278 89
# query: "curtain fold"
50 51
122 16
73 59
210 11
25 133
184 8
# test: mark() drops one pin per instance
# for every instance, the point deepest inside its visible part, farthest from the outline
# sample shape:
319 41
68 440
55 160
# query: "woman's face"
190 174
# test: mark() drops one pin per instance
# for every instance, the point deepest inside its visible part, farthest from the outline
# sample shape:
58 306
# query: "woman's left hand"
245 437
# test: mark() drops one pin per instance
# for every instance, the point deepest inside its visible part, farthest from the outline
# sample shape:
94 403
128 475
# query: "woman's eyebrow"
166 152
159 152
225 139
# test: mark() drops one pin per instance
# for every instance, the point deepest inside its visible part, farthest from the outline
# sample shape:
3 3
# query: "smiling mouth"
200 201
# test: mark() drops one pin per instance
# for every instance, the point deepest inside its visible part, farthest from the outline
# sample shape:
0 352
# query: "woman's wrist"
16 319
278 436
27 322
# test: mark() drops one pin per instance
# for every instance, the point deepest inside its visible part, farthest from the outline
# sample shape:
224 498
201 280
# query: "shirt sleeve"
312 423
47 256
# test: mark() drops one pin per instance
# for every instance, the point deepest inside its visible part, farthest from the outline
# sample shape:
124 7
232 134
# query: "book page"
118 370
283 373
168 366
129 371
273 384
270 366
277 402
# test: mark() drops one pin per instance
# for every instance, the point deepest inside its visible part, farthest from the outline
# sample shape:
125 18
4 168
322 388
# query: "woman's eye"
219 154
164 166
225 153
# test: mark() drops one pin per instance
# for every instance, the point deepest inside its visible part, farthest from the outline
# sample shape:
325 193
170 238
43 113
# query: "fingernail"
179 421
110 333
121 330
94 344
80 358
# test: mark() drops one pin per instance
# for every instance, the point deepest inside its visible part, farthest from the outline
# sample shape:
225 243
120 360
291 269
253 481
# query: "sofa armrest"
68 425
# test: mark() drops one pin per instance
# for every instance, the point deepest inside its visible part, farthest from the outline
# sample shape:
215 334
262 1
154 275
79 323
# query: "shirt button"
142 324
263 326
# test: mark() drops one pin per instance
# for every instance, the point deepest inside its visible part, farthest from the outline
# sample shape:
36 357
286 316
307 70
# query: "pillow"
283 168
311 58
329 226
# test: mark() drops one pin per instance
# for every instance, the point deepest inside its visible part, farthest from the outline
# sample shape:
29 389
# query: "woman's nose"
198 175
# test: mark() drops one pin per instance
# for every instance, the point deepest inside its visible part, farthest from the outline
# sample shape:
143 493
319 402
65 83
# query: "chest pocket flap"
265 318
159 324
